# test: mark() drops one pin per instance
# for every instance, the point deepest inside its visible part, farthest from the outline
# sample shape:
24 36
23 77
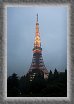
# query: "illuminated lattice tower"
37 65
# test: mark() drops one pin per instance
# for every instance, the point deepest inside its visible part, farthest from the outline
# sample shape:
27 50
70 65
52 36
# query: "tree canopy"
54 86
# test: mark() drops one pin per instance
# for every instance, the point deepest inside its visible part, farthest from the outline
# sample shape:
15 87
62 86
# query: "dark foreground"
54 86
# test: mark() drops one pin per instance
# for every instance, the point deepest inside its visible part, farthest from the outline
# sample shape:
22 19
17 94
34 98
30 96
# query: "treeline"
54 86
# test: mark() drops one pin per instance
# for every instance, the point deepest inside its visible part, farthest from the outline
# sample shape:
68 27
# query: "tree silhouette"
13 85
55 73
22 85
54 86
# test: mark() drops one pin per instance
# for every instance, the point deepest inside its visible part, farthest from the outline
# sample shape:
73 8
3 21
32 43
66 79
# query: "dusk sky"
21 22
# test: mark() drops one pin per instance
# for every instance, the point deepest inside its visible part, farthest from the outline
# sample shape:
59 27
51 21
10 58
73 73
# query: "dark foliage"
13 85
54 86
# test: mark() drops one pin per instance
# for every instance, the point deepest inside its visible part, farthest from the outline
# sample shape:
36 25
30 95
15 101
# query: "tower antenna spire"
37 17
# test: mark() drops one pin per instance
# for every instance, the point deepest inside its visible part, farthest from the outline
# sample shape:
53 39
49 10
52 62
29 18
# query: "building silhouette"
37 66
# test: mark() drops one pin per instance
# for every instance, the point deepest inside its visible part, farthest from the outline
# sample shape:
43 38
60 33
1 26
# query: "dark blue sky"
21 33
